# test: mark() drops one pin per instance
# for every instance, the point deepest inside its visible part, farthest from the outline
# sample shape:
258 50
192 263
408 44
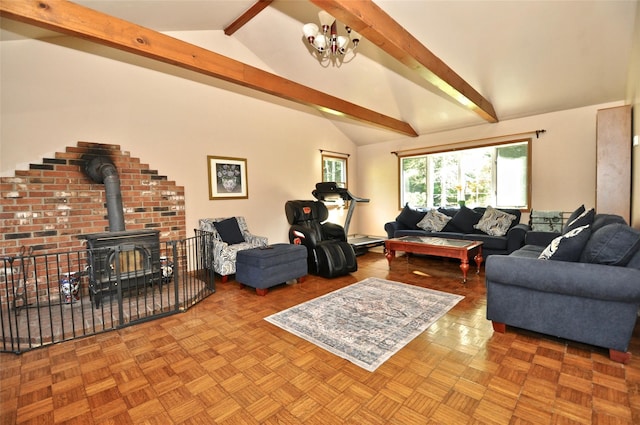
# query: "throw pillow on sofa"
450 212
433 221
573 216
602 220
567 247
584 219
465 219
613 244
409 217
495 222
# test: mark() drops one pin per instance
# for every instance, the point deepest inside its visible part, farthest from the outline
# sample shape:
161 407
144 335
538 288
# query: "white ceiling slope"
525 57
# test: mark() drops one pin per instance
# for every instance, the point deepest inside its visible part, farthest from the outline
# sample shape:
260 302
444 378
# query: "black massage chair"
329 254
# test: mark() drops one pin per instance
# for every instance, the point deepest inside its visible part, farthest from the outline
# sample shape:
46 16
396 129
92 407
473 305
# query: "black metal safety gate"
50 298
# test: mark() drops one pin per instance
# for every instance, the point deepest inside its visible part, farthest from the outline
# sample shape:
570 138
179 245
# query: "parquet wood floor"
221 363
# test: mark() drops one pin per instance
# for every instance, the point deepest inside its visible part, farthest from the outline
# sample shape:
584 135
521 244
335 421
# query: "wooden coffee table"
440 247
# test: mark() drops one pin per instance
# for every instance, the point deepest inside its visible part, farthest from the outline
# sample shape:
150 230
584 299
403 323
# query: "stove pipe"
102 170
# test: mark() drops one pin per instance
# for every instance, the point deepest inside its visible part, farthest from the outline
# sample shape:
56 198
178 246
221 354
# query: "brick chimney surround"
53 202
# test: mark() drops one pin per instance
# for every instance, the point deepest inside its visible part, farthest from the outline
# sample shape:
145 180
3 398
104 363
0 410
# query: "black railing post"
176 274
10 292
118 286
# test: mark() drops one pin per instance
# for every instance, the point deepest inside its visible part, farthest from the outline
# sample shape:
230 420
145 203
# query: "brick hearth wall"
49 205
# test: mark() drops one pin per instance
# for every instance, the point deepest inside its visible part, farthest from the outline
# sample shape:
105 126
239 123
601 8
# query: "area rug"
367 322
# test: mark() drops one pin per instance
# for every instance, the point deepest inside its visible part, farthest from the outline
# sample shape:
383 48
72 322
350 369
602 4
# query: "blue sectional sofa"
583 286
464 223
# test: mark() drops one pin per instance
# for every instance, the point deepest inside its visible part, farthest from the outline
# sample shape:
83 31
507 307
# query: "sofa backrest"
451 212
613 244
601 220
463 218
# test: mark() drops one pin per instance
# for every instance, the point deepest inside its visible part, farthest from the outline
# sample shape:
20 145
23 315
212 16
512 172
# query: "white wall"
57 93
563 163
60 92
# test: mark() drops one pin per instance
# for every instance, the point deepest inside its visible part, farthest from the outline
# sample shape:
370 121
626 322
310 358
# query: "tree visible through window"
334 169
495 175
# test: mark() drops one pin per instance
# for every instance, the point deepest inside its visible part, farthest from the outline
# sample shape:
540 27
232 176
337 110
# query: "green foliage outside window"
334 169
493 175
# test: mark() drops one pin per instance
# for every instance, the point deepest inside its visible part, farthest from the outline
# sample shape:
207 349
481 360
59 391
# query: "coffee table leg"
478 258
464 266
390 254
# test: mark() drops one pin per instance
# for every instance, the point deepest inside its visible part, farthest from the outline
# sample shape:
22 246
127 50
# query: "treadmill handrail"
331 188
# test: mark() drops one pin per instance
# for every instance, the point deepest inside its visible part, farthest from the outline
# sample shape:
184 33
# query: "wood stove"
124 261
119 260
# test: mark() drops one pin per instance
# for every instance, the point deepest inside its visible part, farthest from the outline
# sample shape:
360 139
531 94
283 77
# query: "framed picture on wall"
227 178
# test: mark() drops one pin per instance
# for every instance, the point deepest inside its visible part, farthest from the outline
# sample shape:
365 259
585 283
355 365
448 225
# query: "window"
497 175
334 169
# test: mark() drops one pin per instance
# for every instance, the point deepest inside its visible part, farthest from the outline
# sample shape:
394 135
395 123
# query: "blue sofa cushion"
229 231
449 211
465 219
433 221
410 217
602 220
494 243
451 228
411 232
635 261
567 247
528 251
584 219
614 244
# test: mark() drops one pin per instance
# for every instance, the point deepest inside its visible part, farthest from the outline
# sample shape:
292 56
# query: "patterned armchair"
221 258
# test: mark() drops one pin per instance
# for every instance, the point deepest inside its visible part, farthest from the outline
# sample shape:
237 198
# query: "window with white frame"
334 169
496 175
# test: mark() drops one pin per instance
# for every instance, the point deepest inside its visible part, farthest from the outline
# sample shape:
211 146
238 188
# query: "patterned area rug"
367 322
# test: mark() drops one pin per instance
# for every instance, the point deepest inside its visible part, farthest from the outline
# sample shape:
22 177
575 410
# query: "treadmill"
329 191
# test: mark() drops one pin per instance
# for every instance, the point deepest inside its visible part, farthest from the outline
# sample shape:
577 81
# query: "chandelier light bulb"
343 42
355 37
326 20
310 31
320 43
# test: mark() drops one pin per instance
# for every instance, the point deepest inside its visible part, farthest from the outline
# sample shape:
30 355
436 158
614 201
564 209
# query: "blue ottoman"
262 268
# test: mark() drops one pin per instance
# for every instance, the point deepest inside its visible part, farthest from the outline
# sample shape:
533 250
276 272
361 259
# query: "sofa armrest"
303 235
392 226
332 231
218 247
256 240
540 238
516 237
585 280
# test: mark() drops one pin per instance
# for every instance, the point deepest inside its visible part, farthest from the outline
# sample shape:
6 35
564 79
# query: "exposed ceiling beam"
247 16
72 19
376 26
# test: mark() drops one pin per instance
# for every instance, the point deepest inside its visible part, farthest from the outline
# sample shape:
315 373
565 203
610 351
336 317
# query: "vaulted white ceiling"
525 57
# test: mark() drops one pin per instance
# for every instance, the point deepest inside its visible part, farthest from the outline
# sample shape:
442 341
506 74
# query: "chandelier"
327 46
